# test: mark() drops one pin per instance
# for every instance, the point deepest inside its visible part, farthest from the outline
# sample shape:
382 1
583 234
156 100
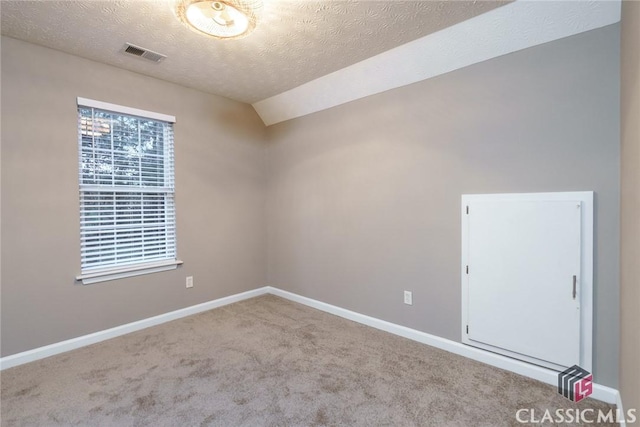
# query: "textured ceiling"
296 40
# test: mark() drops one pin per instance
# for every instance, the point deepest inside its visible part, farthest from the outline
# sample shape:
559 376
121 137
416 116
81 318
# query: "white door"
524 278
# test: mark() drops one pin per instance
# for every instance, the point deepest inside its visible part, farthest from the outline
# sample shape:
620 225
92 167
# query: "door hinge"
467 329
467 210
467 269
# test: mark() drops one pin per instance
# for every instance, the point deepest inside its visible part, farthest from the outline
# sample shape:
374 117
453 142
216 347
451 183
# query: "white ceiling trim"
507 29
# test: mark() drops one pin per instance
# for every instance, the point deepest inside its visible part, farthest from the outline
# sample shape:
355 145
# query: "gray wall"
363 199
630 206
219 152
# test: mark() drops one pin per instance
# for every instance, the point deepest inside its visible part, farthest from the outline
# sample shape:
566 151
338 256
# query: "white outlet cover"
408 297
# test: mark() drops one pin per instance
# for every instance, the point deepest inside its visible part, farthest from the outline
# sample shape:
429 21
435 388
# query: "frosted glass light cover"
227 19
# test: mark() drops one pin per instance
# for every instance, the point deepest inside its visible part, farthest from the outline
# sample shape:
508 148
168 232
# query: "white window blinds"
127 209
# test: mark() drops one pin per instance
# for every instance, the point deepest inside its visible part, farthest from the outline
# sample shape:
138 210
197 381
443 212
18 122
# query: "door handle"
575 279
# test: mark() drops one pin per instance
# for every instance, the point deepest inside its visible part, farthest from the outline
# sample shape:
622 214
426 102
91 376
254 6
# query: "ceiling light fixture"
224 19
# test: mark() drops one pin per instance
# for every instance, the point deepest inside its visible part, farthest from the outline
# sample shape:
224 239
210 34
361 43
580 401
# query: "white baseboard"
620 410
600 392
74 343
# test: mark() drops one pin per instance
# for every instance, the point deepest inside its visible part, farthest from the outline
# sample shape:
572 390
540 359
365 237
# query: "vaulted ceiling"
295 42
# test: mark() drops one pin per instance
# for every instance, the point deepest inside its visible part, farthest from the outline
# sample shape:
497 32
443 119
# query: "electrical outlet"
408 297
189 281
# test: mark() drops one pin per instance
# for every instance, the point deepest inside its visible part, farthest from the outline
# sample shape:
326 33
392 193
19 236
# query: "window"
127 208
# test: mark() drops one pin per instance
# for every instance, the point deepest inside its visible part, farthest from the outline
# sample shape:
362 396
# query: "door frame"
586 271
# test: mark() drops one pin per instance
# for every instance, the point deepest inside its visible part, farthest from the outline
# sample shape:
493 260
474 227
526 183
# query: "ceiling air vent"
132 49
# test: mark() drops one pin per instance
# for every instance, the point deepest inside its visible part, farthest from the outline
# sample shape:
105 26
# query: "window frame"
96 275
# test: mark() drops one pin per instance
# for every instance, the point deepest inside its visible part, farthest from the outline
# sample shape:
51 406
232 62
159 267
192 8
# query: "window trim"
137 269
127 271
84 102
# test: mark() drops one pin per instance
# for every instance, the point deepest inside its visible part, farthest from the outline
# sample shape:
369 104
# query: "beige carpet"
267 362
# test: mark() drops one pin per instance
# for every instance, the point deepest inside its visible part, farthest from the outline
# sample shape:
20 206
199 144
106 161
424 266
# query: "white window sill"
129 271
